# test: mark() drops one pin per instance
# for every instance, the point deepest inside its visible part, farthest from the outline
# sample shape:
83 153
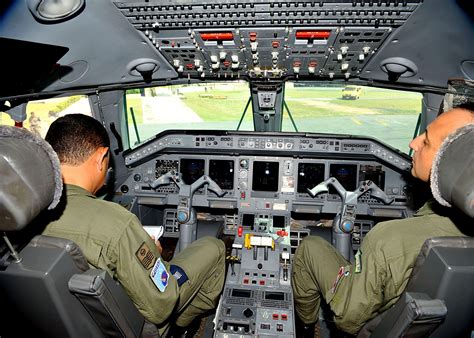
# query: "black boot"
184 332
304 330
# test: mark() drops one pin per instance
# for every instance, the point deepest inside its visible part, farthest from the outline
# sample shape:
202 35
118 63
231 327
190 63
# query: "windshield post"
245 111
267 104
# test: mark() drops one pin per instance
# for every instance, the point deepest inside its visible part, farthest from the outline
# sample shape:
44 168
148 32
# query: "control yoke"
343 224
186 215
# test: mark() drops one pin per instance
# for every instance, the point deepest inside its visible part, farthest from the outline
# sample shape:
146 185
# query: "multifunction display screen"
265 176
309 176
191 169
222 172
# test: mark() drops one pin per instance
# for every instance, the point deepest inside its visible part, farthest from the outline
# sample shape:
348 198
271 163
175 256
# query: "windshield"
387 115
214 106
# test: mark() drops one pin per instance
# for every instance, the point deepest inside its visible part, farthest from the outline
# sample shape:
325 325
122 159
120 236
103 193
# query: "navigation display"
265 176
191 169
346 174
248 220
222 172
309 176
278 221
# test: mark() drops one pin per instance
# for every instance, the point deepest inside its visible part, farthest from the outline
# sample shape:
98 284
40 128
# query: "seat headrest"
452 174
30 177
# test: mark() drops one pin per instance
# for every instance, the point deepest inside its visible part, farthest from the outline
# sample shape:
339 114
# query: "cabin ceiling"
85 45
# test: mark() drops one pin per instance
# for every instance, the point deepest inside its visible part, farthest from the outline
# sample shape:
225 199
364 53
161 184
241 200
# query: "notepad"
155 231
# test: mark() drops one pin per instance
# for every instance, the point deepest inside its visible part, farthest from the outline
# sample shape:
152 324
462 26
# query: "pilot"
358 292
35 124
113 239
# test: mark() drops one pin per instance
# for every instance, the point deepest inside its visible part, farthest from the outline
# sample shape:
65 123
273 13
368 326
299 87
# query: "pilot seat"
46 286
439 299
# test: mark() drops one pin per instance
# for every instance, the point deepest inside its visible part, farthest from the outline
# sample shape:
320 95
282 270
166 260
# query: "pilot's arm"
137 258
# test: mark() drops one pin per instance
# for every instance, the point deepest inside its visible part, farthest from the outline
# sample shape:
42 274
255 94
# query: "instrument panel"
270 173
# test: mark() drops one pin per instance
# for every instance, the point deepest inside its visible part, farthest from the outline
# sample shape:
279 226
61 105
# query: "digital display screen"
274 296
248 220
222 172
241 293
373 173
278 221
346 174
309 176
265 176
191 169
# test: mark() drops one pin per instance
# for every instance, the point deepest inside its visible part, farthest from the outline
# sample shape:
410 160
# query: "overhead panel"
277 39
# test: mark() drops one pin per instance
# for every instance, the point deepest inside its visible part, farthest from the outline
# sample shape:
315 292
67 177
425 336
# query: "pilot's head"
82 145
426 145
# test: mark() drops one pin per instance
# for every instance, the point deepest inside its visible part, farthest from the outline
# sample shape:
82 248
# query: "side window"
41 113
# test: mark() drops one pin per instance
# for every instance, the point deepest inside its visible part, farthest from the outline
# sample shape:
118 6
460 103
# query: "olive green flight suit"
113 239
356 293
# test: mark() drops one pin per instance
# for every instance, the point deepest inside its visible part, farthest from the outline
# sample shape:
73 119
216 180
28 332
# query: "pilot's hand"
158 245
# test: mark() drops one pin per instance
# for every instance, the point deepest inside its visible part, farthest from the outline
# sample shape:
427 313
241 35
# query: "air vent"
143 67
398 67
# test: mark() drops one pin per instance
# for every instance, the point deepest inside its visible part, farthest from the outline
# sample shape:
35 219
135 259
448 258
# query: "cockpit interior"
254 121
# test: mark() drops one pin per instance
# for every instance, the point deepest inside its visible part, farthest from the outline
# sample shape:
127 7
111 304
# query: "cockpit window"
41 113
212 106
387 115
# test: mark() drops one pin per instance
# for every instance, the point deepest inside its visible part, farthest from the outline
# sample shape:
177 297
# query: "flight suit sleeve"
360 294
136 257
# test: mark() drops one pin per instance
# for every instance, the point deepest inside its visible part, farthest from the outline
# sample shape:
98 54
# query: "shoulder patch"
159 275
145 256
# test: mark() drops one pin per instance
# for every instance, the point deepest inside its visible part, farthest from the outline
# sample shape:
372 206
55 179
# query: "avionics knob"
248 313
244 163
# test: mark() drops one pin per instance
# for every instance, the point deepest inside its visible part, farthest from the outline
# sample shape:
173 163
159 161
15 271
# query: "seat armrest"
415 315
108 303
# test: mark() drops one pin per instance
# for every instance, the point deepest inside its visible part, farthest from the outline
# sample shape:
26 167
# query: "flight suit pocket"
335 295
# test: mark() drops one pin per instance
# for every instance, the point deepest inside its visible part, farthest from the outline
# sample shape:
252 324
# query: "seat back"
447 273
35 296
47 288
439 297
